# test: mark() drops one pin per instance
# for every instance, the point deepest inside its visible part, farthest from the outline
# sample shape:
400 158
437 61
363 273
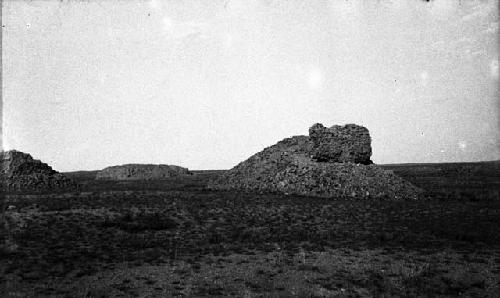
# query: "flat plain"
176 238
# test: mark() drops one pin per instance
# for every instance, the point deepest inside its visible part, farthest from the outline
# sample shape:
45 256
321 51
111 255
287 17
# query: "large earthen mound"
292 166
141 172
20 172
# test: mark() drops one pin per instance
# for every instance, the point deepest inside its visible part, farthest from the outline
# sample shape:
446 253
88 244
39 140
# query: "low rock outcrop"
20 172
318 166
141 172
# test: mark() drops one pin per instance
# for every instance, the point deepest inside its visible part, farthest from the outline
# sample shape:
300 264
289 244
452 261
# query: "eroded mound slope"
19 172
141 172
291 166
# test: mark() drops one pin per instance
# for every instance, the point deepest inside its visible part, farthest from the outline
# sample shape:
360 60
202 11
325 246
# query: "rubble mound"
20 172
141 172
292 166
348 143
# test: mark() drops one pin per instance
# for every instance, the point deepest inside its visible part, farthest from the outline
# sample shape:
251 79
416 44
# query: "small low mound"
20 172
141 172
291 166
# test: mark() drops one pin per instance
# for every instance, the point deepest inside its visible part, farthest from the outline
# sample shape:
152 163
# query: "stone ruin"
141 172
331 162
20 172
348 143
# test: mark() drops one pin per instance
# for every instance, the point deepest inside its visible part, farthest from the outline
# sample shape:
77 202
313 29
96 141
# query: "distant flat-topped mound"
141 172
331 162
19 172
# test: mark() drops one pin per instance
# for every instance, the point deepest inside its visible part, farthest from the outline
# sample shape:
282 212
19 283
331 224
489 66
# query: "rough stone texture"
348 143
141 172
20 172
290 167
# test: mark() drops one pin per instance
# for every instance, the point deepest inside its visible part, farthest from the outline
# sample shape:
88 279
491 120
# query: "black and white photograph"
250 148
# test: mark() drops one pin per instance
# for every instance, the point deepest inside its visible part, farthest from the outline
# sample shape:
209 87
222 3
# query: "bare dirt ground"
175 238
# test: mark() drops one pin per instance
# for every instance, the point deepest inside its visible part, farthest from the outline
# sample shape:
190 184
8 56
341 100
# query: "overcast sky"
206 84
